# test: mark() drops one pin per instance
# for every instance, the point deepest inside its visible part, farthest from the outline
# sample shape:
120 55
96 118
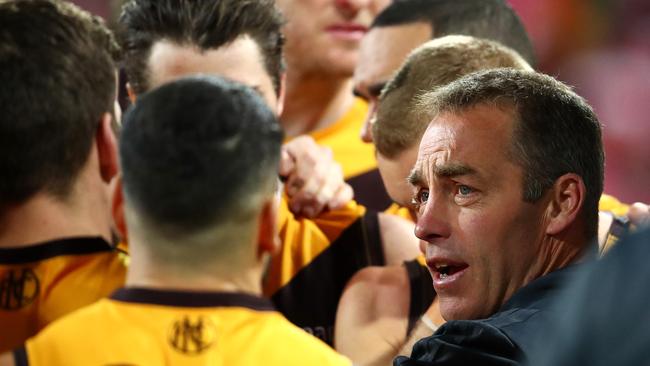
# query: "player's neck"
315 103
144 274
44 217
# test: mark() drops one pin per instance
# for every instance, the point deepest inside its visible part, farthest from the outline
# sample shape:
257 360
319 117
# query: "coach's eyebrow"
415 178
451 170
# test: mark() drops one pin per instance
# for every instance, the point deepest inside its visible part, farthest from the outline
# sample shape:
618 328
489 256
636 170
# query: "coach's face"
323 36
381 54
240 61
483 242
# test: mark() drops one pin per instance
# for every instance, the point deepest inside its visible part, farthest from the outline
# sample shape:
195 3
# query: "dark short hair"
195 152
58 79
556 132
206 24
431 65
489 19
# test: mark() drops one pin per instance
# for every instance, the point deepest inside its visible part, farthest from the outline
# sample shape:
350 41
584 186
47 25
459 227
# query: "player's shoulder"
78 321
65 338
289 345
376 289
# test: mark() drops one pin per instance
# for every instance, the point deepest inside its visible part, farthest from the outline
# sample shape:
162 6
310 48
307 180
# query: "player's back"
43 282
157 327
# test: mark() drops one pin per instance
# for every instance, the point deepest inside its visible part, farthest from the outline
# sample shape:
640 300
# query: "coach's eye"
464 190
421 197
465 195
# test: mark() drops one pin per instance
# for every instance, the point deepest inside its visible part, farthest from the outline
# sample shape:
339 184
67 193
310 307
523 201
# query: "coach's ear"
566 201
106 148
268 239
117 209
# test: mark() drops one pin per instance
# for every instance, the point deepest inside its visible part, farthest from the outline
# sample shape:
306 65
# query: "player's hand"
313 180
639 214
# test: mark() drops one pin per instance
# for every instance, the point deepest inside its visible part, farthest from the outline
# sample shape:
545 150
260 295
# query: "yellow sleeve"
304 239
400 211
613 205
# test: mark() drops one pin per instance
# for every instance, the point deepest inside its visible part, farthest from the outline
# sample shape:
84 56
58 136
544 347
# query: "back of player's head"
205 24
58 79
555 131
434 64
199 157
490 19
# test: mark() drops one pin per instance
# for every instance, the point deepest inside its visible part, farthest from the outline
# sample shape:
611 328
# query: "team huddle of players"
248 192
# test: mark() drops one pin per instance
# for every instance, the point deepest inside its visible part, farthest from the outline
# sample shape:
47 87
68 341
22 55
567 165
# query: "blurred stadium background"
602 48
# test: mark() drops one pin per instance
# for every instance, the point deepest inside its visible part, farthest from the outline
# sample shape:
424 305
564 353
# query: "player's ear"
268 239
117 209
568 196
106 148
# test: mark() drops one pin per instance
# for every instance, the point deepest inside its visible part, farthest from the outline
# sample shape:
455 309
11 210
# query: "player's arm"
398 240
314 184
372 317
424 327
386 310
639 214
616 219
313 180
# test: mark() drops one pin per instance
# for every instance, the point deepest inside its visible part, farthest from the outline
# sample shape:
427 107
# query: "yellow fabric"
52 288
609 243
120 333
304 239
613 205
343 137
400 211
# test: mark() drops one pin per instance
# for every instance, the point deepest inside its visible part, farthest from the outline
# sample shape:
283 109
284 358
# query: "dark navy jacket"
506 338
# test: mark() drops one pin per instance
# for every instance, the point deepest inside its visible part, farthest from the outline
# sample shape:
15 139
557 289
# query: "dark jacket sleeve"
462 343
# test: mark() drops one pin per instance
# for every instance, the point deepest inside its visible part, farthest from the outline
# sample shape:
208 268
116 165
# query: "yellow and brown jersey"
157 327
356 157
613 205
42 282
401 211
421 291
306 278
619 224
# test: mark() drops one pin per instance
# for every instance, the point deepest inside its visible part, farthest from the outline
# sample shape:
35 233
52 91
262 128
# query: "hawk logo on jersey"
192 336
18 288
